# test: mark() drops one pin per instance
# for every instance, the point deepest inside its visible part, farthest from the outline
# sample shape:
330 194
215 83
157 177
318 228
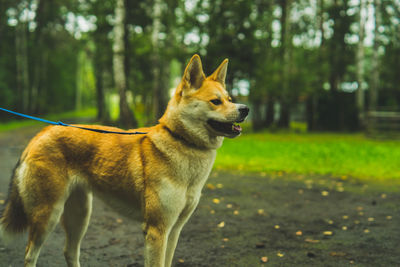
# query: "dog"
155 178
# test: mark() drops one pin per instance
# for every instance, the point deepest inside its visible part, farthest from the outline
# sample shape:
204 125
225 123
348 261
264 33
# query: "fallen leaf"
299 233
261 212
388 217
216 201
264 259
236 212
366 231
344 228
345 217
330 222
309 240
359 208
300 191
229 206
340 189
327 233
221 224
181 260
325 193
118 220
361 213
211 186
277 227
2 201
225 239
371 219
212 211
220 186
383 196
279 254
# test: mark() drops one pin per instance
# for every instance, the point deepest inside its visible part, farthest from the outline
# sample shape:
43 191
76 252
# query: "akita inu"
156 177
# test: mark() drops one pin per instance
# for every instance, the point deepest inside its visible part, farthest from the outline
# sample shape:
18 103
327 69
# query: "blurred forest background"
323 63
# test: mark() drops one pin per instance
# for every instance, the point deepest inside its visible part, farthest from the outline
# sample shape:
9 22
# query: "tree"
102 54
360 101
373 89
159 101
21 42
126 116
286 41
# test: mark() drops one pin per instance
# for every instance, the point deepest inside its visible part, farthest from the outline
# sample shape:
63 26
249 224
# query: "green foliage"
333 154
65 62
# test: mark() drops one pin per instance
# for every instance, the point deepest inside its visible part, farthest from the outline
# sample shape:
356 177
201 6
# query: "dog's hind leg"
75 220
43 193
43 222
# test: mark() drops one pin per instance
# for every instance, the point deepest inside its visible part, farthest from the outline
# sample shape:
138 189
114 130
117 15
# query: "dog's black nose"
244 111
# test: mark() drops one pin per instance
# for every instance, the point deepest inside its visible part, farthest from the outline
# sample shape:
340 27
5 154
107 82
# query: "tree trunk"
22 66
311 105
312 100
126 116
284 118
256 115
159 98
373 93
102 114
360 65
37 58
270 112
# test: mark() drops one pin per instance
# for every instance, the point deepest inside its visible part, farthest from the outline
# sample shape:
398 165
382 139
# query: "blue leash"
60 123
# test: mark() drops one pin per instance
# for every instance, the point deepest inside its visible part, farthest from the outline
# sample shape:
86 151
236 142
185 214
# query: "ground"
243 219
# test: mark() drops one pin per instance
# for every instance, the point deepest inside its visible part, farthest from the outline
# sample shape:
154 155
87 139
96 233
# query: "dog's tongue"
237 128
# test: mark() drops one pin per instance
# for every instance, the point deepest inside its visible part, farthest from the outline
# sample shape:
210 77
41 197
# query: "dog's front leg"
155 245
176 230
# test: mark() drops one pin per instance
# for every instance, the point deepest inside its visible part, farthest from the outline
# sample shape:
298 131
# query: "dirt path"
242 219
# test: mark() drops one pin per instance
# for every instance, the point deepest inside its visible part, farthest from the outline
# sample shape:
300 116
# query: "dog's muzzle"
243 112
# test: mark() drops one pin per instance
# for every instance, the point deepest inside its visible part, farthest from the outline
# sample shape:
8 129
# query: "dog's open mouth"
229 129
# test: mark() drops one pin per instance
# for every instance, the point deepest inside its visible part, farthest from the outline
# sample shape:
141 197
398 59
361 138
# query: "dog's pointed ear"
219 74
193 76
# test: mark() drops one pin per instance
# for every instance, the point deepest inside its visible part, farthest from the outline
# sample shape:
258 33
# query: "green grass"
15 124
339 155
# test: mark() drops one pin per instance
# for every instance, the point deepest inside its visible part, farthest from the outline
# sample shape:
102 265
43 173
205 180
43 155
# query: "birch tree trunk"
126 116
360 64
373 89
158 93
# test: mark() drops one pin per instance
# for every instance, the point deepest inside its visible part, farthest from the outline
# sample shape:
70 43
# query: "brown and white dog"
155 178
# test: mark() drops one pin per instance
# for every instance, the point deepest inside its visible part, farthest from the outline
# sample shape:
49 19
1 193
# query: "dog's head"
203 104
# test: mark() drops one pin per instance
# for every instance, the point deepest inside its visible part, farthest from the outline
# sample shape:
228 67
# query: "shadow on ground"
242 220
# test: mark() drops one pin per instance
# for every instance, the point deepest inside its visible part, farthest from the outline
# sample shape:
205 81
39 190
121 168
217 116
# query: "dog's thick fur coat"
156 178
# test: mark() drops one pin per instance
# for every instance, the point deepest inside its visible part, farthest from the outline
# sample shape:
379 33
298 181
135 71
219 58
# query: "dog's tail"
13 219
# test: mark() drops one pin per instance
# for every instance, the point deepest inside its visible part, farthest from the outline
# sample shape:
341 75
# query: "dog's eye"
216 102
